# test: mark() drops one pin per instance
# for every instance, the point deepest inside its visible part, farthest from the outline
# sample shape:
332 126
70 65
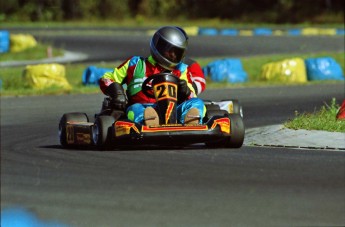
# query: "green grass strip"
13 83
40 51
323 119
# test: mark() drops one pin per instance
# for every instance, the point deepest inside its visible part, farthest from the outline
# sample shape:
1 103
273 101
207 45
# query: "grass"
34 53
13 83
324 119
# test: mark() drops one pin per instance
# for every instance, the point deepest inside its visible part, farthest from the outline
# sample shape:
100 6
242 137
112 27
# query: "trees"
267 11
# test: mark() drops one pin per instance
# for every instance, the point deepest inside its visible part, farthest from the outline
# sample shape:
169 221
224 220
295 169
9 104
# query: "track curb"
279 136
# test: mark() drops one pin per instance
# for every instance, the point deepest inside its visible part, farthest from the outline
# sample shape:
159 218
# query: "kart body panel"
127 133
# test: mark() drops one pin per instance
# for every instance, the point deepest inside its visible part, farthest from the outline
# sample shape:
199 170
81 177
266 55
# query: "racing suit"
133 72
196 75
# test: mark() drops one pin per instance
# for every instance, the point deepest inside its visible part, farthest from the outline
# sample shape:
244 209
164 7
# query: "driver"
168 46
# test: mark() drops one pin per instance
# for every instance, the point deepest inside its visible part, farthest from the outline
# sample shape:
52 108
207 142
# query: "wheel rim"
95 134
241 111
60 130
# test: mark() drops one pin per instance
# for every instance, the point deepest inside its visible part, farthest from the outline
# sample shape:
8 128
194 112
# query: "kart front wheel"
101 131
69 117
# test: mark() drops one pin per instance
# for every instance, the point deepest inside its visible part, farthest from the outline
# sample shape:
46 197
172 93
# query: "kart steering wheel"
147 86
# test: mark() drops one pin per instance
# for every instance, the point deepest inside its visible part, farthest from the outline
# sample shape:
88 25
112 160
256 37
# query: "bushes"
250 11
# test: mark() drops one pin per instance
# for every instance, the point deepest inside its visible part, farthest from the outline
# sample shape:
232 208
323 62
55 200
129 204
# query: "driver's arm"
186 89
118 76
110 84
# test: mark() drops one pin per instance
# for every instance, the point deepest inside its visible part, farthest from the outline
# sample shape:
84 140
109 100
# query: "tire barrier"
263 31
229 32
288 70
308 31
21 42
92 74
229 70
325 68
19 216
190 30
208 31
299 70
46 76
4 41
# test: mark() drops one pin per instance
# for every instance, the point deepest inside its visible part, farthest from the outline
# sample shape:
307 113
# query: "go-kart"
222 125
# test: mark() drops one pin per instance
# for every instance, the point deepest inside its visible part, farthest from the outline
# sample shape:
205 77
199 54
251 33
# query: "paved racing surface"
251 186
119 44
117 47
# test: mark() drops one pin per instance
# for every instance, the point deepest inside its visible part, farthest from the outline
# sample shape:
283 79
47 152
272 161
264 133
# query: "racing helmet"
183 31
168 46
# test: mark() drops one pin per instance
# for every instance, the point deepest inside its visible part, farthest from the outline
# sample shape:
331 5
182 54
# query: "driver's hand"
118 96
119 101
183 91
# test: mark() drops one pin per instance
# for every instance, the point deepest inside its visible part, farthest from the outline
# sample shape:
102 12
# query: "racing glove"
118 96
183 91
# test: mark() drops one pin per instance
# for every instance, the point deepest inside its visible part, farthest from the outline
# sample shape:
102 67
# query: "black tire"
237 131
78 117
101 132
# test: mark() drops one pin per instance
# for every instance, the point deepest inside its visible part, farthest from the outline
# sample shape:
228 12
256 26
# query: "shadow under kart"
222 125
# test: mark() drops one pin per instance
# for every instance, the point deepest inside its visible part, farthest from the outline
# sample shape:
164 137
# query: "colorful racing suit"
196 75
133 72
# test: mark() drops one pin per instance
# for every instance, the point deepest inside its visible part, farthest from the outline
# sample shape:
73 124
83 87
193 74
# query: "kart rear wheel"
237 131
237 108
78 117
101 131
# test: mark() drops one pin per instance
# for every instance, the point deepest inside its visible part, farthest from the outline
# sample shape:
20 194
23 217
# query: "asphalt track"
251 186
116 47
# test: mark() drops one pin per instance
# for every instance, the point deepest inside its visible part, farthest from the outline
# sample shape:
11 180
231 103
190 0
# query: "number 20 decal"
166 91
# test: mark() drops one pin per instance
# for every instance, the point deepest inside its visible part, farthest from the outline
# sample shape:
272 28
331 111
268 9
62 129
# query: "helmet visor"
170 52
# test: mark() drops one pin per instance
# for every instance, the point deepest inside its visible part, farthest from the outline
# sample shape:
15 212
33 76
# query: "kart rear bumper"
216 132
